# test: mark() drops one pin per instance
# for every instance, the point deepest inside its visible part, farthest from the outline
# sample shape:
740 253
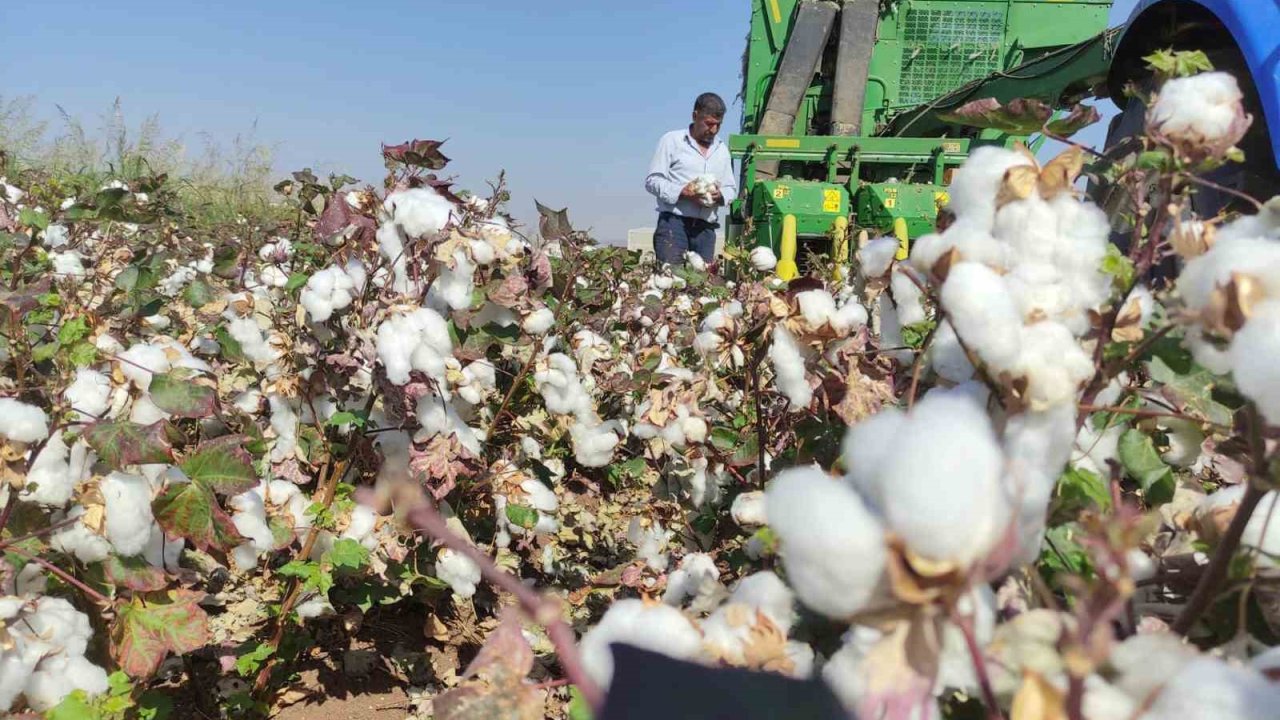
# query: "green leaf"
154 705
231 349
347 554
33 218
1062 554
367 595
127 280
223 465
1078 490
296 280
748 452
120 444
1180 63
73 707
347 418
282 533
1119 267
134 573
579 709
314 576
150 627
198 294
83 354
522 516
628 470
1021 116
1142 463
724 439
191 511
73 330
45 351
251 662
913 335
1191 388
176 392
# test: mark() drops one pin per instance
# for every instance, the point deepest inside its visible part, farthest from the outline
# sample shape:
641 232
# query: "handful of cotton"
706 186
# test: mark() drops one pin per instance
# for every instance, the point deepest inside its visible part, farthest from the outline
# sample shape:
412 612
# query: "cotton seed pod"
1232 304
1191 239
1199 117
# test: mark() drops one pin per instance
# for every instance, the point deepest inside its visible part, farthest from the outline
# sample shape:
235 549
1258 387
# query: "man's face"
705 128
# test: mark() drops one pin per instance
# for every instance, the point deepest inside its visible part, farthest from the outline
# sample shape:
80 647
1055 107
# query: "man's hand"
716 196
690 191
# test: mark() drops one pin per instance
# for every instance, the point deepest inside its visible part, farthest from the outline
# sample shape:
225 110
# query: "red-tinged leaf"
480 701
418 153
119 444
22 301
1080 117
177 392
540 271
505 651
134 573
191 511
151 627
340 218
1019 117
553 224
222 465
513 290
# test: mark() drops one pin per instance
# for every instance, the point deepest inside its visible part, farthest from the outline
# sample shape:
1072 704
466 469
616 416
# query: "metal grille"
944 49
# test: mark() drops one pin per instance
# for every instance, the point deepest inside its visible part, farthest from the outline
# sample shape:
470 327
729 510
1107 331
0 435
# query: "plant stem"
545 611
965 623
1207 588
918 365
38 533
64 575
1138 412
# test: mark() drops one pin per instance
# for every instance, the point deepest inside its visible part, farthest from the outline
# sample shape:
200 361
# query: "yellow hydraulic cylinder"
787 269
840 248
900 232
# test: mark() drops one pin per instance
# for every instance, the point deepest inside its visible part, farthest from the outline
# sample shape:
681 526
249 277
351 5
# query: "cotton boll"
22 423
314 607
1145 662
59 626
947 356
817 307
763 259
748 509
695 261
657 628
594 443
844 672
253 343
146 412
765 592
140 362
361 526
849 317
391 244
326 291
983 314
1263 530
454 287
907 297
1253 359
977 182
539 321
56 236
57 676
438 416
1255 257
459 571
419 211
89 394
866 446
832 546
696 575
1209 689
941 488
128 512
1094 448
650 542
78 540
1030 229
891 342
417 340
788 368
284 421
1201 115
876 256
67 264
49 481
1185 440
162 552
1054 365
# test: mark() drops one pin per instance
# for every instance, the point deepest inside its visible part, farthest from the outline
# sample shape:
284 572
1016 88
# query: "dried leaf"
1059 173
1019 183
899 670
1038 700
417 153
150 627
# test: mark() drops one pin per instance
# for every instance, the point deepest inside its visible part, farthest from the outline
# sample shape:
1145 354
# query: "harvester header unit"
846 123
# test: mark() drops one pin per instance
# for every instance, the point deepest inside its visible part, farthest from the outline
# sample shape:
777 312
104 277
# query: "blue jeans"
676 235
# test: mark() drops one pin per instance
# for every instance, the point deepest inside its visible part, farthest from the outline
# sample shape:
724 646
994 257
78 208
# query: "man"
687 216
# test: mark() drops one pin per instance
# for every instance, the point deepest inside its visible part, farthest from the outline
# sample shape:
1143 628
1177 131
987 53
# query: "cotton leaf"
418 153
1018 117
176 392
222 465
149 628
134 573
119 444
191 511
1138 455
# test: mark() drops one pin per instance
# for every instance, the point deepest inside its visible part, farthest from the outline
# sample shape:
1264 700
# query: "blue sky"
568 97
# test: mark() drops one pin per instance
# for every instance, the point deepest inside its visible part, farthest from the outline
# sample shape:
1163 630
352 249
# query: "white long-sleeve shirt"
678 160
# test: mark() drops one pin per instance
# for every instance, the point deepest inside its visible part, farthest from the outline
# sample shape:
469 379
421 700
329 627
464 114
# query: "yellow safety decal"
951 147
782 143
941 198
781 191
831 201
777 12
890 203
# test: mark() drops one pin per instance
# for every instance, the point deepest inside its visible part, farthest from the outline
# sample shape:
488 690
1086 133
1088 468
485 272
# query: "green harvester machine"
846 104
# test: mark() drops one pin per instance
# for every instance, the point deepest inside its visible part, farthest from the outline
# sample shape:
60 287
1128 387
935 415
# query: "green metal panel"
879 204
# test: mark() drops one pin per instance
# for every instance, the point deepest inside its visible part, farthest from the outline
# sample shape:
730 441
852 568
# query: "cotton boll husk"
865 447
1053 363
696 574
89 394
748 509
1209 689
983 314
57 676
977 182
78 540
832 546
876 256
539 321
420 211
941 488
947 356
1253 360
907 297
22 423
657 628
459 571
788 367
